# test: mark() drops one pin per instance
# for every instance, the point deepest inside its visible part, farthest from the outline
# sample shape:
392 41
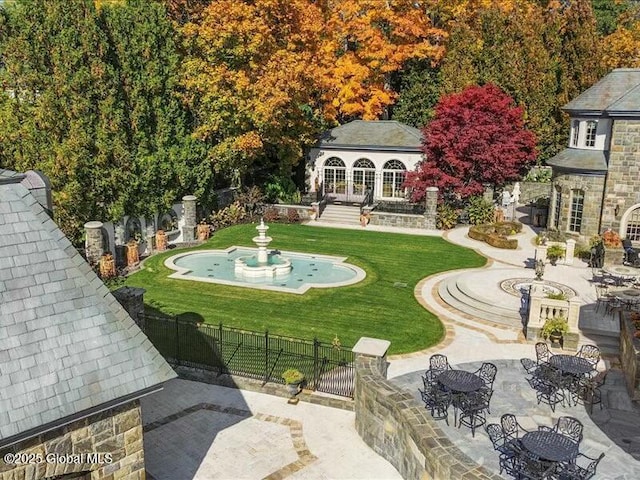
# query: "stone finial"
94 246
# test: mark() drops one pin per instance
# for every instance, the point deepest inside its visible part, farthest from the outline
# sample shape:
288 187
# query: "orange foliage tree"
252 79
369 40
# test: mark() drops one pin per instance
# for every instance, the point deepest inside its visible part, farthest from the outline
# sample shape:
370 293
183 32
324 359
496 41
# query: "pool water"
308 270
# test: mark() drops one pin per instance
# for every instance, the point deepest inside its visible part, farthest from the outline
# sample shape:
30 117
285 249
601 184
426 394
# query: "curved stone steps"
460 299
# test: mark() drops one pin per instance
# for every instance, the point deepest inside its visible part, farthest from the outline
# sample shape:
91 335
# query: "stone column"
431 208
541 253
569 252
369 350
189 209
119 243
132 300
93 243
488 192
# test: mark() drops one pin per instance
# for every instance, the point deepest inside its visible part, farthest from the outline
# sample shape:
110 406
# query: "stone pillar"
541 253
569 252
488 192
119 244
149 236
189 209
132 300
93 243
372 351
431 208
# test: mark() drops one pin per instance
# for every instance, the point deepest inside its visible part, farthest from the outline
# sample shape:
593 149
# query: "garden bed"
495 234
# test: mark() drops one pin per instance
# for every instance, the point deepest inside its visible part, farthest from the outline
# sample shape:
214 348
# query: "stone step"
340 214
452 295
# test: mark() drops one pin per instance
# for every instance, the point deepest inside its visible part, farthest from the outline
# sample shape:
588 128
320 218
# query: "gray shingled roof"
373 135
617 93
580 160
66 345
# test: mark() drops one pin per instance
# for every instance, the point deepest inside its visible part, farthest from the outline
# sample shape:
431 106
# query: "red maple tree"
477 136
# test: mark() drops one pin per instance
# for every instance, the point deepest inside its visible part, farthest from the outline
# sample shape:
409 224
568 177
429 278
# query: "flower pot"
556 339
293 388
553 261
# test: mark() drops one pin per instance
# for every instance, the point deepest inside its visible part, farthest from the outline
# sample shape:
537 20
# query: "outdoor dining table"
551 446
622 273
460 381
571 364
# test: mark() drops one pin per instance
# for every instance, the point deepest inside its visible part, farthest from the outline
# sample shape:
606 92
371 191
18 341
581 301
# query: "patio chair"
575 471
570 427
511 429
437 402
542 353
602 297
531 467
529 365
508 450
439 363
591 353
487 372
430 378
547 392
614 305
589 392
472 412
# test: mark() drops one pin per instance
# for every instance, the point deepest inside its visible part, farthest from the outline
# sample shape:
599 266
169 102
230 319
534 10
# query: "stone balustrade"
542 309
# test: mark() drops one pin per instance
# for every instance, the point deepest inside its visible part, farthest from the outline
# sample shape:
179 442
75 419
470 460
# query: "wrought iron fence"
327 367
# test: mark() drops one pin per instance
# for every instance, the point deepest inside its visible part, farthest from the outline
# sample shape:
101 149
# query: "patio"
614 429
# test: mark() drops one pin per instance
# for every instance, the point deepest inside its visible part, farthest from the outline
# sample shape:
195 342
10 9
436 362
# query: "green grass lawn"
371 308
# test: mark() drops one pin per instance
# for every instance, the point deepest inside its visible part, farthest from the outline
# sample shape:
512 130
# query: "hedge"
495 234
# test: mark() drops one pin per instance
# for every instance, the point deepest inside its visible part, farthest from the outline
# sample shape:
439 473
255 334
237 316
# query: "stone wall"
630 356
623 179
304 211
531 191
115 433
593 187
393 423
399 220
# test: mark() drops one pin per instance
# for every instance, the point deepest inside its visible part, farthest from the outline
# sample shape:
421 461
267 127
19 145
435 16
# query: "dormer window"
584 133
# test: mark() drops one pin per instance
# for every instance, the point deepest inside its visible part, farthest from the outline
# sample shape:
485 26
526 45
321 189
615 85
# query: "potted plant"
293 378
554 252
554 329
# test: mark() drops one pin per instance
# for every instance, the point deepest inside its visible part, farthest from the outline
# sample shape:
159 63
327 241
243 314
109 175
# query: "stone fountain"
264 264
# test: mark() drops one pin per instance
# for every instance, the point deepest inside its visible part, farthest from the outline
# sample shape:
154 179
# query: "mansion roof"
616 94
372 135
67 347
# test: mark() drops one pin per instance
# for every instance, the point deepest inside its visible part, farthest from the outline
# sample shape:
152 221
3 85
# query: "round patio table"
622 272
460 381
550 446
571 364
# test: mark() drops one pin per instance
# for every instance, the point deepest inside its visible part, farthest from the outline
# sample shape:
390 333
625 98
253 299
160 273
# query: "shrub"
556 296
555 325
555 251
491 234
446 217
292 376
498 241
480 210
231 215
271 215
293 216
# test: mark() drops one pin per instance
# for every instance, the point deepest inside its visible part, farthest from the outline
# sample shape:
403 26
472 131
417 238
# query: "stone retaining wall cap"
371 346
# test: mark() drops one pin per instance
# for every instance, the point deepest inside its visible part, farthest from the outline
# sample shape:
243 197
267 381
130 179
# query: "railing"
327 368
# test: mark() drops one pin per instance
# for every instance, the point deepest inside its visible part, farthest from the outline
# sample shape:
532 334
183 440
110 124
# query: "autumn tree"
370 40
252 79
476 137
621 48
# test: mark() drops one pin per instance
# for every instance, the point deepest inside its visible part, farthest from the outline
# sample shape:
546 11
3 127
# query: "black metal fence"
327 368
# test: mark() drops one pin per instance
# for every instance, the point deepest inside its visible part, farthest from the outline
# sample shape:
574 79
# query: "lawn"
381 306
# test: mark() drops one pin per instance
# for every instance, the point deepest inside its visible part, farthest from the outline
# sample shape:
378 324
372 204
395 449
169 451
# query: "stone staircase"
339 213
595 327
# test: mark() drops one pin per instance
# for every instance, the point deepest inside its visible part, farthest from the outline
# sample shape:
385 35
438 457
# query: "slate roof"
580 160
617 93
373 135
67 347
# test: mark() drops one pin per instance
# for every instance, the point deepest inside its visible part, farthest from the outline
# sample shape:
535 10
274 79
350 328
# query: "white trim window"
584 133
577 207
393 173
590 135
632 229
575 132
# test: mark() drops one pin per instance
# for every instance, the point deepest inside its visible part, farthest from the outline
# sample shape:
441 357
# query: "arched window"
364 176
393 173
334 173
633 225
577 206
